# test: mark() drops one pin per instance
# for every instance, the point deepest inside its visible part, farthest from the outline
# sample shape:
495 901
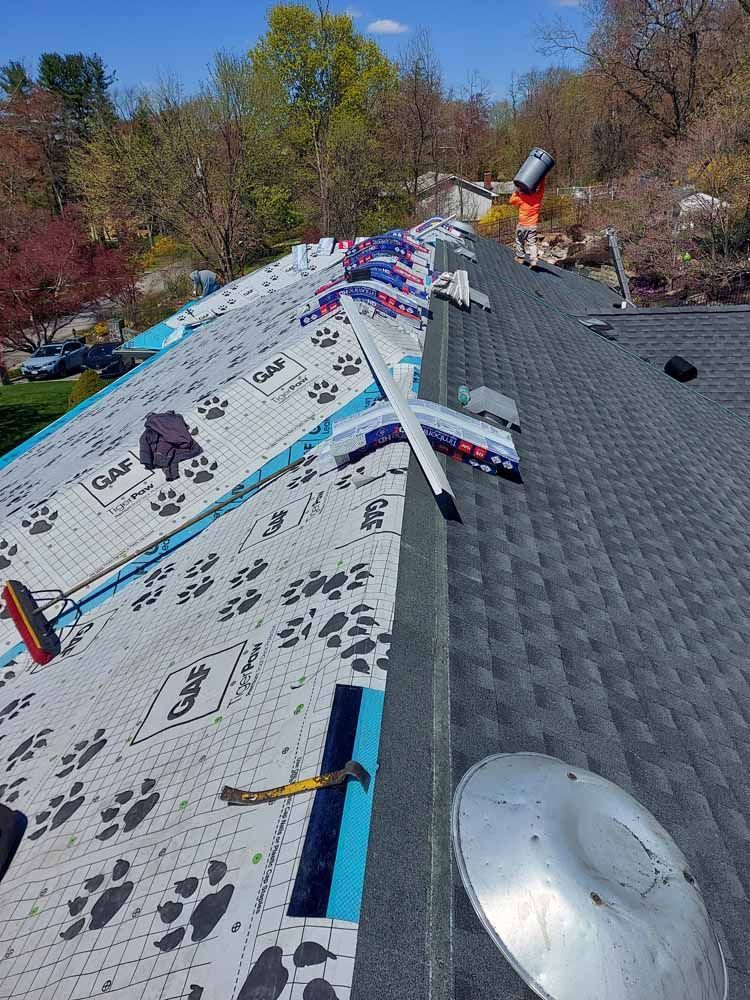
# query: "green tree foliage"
201 168
333 82
15 80
82 83
43 121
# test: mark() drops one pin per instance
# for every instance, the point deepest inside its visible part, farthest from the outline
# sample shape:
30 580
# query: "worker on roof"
204 282
529 206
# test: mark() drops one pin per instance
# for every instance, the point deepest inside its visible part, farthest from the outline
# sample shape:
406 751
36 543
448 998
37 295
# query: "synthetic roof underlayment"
252 655
305 260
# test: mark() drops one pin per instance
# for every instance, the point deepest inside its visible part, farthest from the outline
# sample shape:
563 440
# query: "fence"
550 221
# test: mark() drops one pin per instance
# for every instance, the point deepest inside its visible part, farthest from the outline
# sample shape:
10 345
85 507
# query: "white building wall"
464 204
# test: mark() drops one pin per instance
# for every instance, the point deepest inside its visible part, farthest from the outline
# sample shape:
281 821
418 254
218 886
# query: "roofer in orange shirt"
528 220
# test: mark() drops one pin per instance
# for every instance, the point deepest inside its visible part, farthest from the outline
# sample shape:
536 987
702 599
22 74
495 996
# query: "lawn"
27 407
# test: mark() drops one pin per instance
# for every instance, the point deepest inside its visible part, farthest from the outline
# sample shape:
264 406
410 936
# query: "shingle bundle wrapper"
462 438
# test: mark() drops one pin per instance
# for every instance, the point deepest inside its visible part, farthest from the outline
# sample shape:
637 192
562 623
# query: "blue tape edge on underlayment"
137 568
345 897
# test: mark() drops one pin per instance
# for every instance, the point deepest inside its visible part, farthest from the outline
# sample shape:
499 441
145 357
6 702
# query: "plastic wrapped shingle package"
460 437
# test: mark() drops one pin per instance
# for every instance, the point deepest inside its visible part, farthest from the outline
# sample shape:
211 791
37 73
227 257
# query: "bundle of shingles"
454 285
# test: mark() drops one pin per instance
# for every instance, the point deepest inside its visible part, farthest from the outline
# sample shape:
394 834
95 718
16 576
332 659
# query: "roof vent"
489 404
680 369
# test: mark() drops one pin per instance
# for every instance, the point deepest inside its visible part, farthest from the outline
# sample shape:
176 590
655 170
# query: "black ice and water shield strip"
312 886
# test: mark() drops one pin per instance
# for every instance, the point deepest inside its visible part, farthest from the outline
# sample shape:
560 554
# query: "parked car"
54 360
101 358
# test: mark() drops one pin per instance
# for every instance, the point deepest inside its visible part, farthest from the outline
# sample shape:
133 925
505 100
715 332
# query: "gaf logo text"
275 373
113 481
194 692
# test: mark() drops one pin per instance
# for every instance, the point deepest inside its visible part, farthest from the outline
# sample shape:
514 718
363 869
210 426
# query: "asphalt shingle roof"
599 612
715 339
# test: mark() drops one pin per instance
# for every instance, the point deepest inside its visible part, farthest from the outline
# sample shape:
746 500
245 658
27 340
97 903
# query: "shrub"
163 248
87 385
500 212
152 307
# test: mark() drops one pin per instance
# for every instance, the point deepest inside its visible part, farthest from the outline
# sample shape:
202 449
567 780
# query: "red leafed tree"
50 270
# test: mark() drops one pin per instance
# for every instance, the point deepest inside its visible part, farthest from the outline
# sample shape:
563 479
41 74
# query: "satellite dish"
579 886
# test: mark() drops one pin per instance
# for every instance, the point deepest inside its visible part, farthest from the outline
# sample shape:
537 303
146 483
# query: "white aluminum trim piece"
412 428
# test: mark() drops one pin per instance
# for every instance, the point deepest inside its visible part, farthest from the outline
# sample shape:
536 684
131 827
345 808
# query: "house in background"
448 194
698 209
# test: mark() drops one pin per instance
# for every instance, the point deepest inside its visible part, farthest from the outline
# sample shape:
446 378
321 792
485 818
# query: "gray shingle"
599 612
714 339
622 563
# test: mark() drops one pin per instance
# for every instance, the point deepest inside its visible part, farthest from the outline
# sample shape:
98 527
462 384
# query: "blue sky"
141 39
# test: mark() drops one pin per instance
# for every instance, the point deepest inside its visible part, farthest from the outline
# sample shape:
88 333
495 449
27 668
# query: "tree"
15 80
82 84
667 57
468 129
199 166
49 272
327 73
415 114
43 121
32 159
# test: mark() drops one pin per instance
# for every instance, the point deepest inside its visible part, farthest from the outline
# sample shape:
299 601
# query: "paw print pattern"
105 907
319 989
239 605
168 502
200 578
40 520
311 953
304 474
347 364
154 585
267 977
201 470
202 565
15 707
11 795
195 589
346 480
135 814
7 675
213 407
354 632
297 629
26 750
325 337
323 392
331 587
7 551
207 912
82 753
61 808
248 573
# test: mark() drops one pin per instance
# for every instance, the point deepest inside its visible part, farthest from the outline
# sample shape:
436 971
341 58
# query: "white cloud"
353 12
385 26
